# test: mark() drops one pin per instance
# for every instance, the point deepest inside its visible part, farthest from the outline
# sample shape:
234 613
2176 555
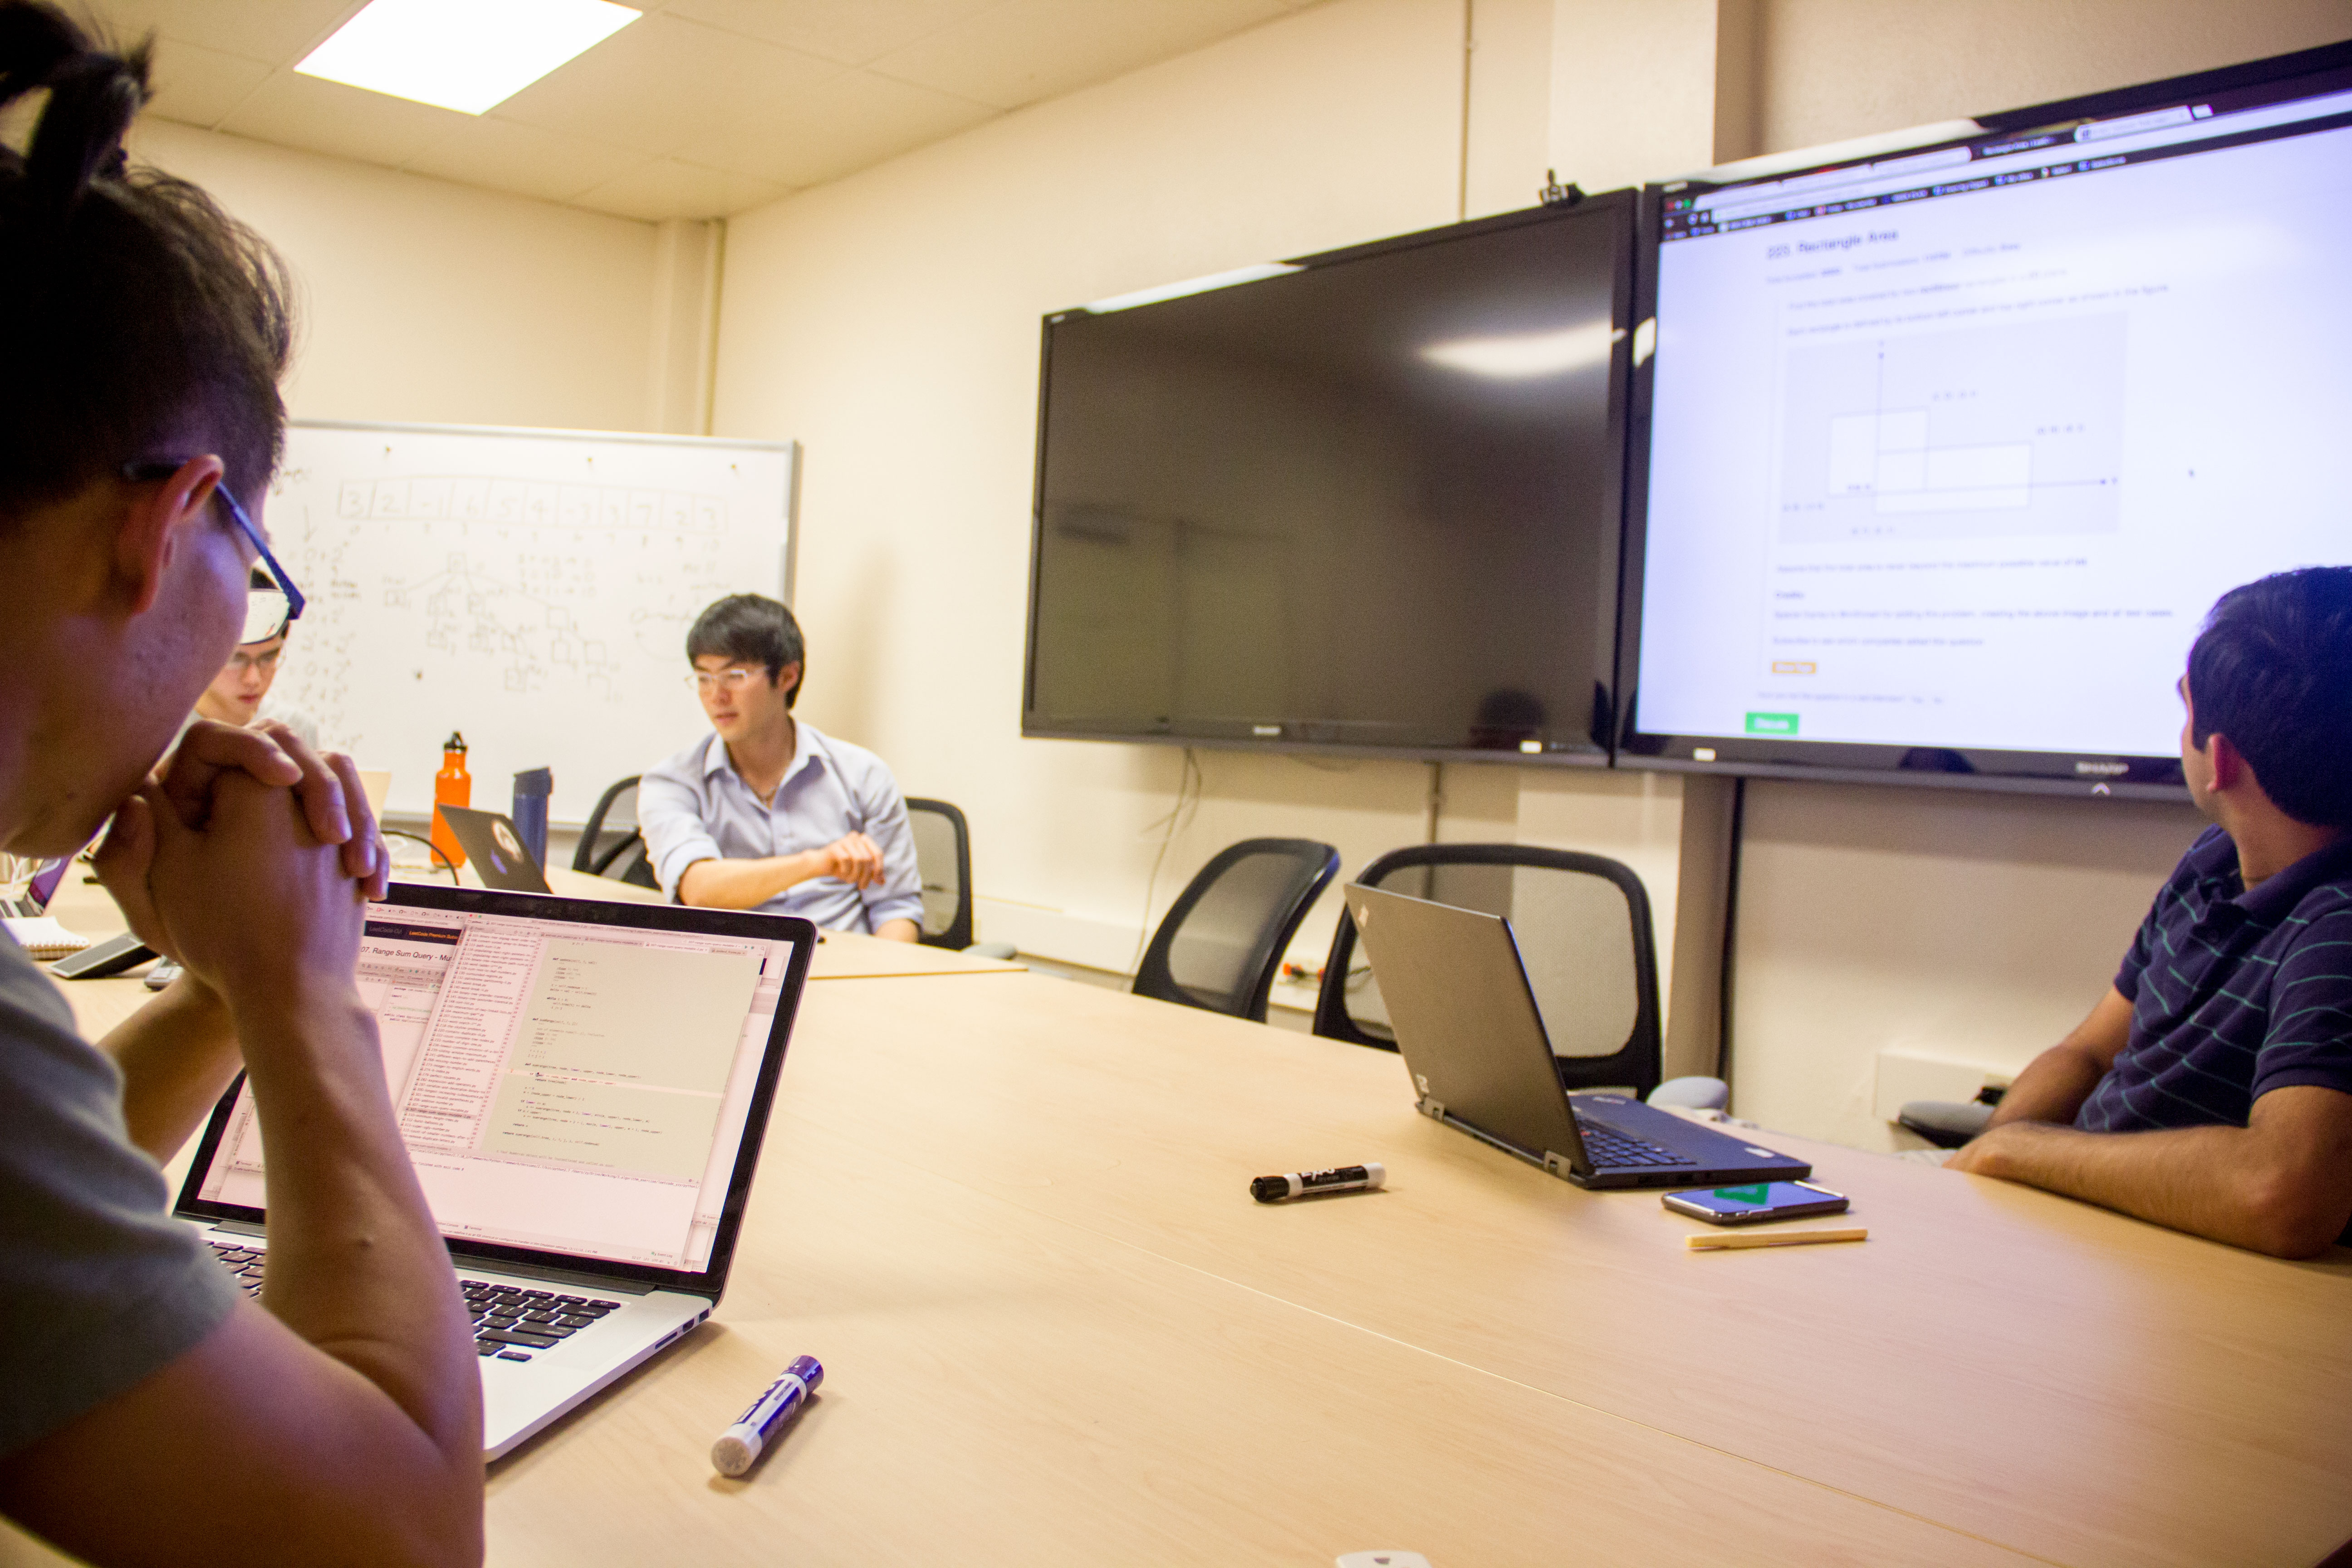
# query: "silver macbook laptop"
584 1087
1473 1042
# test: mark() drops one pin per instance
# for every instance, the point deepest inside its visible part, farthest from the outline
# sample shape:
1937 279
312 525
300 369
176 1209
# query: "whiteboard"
530 588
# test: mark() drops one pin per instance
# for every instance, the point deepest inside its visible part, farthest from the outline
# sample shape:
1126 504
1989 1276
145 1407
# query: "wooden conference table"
1011 1214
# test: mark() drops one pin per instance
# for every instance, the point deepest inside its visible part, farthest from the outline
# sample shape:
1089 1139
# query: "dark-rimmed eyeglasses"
147 473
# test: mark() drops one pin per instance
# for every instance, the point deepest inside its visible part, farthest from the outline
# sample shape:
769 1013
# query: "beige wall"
436 303
889 320
1835 68
890 323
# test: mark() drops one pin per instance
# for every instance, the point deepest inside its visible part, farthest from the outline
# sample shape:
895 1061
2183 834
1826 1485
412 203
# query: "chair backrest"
1222 939
611 846
943 862
1583 922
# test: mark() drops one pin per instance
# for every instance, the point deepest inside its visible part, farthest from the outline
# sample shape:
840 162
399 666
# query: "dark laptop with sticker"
1474 1043
496 850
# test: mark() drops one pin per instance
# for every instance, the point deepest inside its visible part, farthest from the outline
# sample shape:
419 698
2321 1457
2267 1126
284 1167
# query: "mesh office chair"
611 846
1583 927
943 860
1223 940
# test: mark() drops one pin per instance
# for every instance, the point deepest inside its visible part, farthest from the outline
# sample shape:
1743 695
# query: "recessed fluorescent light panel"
465 54
1524 356
1190 285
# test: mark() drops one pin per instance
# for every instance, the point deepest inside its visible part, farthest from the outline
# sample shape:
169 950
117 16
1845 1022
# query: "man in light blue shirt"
766 813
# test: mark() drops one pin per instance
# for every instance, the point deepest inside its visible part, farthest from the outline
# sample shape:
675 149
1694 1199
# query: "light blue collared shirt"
696 806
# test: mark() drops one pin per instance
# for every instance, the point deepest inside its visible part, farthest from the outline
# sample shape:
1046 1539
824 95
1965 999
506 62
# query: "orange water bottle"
453 786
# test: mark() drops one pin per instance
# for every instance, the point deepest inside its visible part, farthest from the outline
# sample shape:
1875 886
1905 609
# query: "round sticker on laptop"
507 840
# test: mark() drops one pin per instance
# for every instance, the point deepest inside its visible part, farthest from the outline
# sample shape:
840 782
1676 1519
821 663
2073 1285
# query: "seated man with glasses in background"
766 813
239 694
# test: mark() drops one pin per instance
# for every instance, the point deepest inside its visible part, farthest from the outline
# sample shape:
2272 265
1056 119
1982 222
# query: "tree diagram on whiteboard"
577 592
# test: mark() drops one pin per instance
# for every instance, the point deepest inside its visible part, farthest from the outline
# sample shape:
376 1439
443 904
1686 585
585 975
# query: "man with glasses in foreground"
767 813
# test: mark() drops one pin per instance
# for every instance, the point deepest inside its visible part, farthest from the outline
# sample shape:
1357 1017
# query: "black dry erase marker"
1361 1178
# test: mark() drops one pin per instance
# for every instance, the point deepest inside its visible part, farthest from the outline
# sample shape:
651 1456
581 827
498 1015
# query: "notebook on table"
1473 1040
582 1087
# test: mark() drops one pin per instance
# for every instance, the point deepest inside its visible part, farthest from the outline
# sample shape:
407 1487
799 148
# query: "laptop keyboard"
510 1323
1613 1150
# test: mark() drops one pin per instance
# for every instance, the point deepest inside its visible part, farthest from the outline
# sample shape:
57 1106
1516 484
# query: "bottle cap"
455 743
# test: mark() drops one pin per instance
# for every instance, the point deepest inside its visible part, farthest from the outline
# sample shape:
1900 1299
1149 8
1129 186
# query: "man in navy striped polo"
2210 1090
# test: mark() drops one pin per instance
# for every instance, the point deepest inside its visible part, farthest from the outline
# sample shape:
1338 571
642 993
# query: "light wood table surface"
2017 1370
1012 1219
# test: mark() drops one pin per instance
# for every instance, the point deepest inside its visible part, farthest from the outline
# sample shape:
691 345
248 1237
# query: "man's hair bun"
138 321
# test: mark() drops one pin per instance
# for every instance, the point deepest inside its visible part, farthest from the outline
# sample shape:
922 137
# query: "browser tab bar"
2131 124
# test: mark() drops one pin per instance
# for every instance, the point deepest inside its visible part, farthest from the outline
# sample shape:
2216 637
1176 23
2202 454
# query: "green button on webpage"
1772 723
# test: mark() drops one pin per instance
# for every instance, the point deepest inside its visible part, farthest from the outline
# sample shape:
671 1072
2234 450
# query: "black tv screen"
1370 502
1941 456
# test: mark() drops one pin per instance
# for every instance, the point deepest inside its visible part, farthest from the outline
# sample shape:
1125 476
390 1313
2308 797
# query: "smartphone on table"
1754 1205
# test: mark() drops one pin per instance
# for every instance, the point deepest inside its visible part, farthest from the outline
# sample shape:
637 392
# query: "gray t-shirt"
99 1286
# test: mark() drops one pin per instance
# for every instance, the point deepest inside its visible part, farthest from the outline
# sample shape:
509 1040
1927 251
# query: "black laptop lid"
581 1085
1464 1019
496 850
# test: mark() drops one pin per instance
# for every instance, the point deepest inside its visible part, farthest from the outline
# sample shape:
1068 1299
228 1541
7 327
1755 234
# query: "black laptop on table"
1474 1043
584 1087
493 845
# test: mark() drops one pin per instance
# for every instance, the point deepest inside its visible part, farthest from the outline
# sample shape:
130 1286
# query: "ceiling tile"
661 188
660 83
1024 50
505 156
278 31
198 86
343 122
849 123
849 31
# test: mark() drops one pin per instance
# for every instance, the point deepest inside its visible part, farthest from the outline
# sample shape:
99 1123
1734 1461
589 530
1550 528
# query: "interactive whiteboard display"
1951 454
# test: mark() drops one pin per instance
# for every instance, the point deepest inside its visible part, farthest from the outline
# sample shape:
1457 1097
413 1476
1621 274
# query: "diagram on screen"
1977 432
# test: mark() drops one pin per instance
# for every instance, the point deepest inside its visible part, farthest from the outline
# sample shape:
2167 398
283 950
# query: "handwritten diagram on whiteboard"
530 588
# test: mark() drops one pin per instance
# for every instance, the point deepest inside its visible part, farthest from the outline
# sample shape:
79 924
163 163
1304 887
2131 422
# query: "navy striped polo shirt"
2234 992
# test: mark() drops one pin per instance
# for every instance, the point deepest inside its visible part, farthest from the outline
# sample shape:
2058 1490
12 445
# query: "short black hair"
755 629
135 315
2272 670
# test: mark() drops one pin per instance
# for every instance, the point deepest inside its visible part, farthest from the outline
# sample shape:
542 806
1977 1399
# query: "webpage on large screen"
572 1087
1957 449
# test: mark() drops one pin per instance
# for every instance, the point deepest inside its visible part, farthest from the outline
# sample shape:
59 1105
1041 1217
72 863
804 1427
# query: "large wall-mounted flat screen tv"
1369 500
1941 456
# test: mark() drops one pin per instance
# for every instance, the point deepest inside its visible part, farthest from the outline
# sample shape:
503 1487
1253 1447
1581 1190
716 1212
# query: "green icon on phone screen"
1744 1194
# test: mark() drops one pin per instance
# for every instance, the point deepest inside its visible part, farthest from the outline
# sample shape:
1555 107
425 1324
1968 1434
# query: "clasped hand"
249 858
855 858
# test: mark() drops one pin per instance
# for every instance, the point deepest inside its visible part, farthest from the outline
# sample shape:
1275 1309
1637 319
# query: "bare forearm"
2216 1182
2054 1085
745 884
176 1054
898 931
356 1264
2052 1088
